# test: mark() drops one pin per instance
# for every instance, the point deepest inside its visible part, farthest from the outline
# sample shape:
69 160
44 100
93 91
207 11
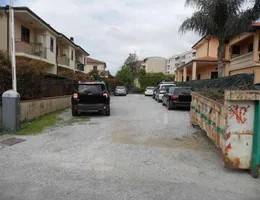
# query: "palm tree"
222 19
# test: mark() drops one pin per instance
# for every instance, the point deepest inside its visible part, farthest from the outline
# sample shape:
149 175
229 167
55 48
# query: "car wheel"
168 106
74 113
174 107
107 112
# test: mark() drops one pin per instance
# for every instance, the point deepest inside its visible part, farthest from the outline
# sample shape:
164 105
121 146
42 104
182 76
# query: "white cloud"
111 29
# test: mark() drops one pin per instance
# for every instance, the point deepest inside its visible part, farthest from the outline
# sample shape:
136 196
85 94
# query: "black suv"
90 97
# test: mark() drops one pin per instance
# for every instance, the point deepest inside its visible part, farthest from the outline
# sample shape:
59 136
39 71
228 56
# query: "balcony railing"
242 61
64 60
35 49
80 66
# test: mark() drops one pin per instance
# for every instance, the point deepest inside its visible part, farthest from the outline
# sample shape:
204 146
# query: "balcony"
80 66
34 49
242 61
63 60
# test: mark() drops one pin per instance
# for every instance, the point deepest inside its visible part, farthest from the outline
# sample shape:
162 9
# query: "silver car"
120 91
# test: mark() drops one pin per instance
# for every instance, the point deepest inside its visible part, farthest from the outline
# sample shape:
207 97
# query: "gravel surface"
141 152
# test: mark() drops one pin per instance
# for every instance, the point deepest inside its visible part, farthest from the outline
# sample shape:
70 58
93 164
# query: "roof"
202 59
6 8
158 57
200 41
206 59
94 61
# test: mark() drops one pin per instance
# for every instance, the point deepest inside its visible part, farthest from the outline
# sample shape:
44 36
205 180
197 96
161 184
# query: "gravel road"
141 152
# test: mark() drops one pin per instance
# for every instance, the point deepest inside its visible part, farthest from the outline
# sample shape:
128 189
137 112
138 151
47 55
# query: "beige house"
204 65
35 40
38 45
243 53
155 65
95 65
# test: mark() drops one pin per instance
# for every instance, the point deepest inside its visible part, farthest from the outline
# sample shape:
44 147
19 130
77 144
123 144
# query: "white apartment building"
178 60
154 65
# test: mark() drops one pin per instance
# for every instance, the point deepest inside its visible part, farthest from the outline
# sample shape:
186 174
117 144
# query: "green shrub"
152 79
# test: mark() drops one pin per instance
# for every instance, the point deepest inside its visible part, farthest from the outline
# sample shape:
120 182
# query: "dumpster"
233 126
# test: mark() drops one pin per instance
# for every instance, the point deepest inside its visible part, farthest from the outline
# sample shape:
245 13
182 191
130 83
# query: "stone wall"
32 109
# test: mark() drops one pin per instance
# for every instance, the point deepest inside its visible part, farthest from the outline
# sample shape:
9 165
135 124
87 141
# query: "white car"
162 90
149 91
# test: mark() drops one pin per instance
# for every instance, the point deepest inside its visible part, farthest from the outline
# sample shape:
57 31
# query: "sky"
111 29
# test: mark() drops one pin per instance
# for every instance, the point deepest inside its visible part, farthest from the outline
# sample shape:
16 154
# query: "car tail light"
105 95
174 97
75 96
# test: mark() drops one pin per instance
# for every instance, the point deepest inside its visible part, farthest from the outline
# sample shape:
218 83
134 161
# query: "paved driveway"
141 152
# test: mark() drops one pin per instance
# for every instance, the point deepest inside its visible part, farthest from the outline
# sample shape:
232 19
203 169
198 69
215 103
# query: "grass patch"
38 125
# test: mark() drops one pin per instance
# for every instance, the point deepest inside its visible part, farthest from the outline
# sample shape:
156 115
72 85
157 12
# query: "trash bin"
11 110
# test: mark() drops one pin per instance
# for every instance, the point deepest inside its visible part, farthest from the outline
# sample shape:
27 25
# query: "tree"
222 19
133 63
126 76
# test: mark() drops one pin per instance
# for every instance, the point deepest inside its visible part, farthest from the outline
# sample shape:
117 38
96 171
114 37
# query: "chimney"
72 39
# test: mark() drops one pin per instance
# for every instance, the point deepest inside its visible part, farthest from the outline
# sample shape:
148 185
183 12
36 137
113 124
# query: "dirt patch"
66 119
196 141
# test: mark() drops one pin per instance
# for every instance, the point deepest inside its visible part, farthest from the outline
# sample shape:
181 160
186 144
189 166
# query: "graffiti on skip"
239 113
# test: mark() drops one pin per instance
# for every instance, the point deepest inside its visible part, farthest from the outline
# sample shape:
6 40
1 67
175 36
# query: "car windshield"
166 87
171 90
97 88
182 91
150 88
120 87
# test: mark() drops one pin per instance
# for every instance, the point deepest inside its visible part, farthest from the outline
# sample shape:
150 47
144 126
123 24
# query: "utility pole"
12 45
10 98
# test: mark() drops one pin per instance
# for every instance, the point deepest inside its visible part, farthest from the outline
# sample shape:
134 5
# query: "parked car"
90 97
149 91
161 90
177 97
155 91
120 91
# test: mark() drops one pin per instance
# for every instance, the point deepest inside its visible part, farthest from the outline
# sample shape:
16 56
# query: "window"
236 50
72 55
95 89
214 75
182 91
95 68
250 47
51 44
25 34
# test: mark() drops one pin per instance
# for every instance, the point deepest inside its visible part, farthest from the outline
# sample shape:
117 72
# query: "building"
243 53
71 58
95 65
178 60
39 45
155 65
204 65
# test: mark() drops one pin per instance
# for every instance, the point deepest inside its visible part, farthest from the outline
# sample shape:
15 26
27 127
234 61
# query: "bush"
152 79
215 88
32 84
